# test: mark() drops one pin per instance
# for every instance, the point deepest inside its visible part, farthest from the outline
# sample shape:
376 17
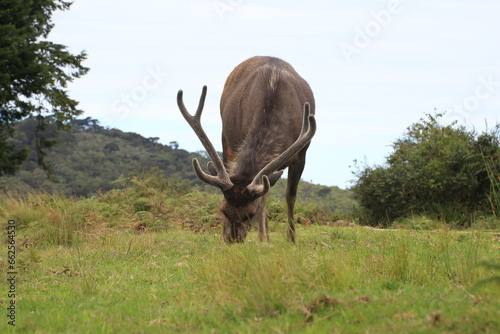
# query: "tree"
434 169
34 74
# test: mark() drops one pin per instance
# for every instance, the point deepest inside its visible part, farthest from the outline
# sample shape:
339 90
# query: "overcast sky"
375 67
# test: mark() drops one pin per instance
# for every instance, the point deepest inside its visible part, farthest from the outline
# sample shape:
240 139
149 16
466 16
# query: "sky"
375 67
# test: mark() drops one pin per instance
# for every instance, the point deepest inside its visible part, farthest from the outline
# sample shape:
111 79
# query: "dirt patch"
341 223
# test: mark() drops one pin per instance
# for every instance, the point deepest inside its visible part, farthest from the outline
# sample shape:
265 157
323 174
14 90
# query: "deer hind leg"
294 173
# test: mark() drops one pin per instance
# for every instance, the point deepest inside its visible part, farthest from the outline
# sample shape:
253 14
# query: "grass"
345 280
148 259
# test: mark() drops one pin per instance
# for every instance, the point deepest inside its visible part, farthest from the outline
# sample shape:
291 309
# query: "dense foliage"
90 158
448 172
34 74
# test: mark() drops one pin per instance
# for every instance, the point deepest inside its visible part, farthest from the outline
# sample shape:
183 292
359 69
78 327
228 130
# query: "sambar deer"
267 113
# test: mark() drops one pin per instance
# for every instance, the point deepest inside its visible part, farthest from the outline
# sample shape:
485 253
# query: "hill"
90 158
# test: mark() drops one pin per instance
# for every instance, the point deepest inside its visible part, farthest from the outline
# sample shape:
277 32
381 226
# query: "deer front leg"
294 174
290 201
229 232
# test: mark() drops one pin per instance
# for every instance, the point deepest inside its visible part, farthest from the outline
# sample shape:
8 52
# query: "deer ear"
274 177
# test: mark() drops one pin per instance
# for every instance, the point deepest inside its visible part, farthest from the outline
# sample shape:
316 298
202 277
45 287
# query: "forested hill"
91 158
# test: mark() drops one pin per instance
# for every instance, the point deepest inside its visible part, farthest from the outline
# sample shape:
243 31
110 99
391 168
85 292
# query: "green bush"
435 170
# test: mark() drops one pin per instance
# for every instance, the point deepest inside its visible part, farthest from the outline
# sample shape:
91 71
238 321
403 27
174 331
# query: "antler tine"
222 179
201 104
306 134
305 122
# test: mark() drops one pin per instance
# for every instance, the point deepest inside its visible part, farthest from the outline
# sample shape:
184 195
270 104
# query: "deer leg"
294 174
229 232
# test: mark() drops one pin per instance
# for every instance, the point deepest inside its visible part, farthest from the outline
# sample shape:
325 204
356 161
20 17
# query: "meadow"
149 260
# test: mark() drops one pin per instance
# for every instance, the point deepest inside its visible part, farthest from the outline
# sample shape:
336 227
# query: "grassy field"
148 259
335 280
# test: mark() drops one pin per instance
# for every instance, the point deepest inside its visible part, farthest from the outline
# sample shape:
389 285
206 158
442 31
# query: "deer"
267 112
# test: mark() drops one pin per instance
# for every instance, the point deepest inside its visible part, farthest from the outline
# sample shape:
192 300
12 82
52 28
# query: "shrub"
435 170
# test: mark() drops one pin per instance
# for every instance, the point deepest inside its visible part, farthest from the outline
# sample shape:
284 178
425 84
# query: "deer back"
262 114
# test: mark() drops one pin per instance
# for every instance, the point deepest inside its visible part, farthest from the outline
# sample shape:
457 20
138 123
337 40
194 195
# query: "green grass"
148 259
335 280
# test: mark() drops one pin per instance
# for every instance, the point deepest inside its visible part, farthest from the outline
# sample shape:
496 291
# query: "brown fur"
267 117
262 109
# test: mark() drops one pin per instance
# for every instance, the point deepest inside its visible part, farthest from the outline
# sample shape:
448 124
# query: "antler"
260 184
220 179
